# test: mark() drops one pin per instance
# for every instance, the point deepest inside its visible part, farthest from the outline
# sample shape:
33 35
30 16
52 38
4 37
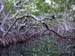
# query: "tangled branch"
37 20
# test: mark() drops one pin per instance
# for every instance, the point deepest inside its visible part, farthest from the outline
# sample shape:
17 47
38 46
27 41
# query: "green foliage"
39 1
8 5
56 6
33 12
44 7
61 5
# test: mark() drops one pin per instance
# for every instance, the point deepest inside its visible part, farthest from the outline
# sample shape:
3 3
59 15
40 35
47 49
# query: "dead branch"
21 17
2 7
55 32
36 19
16 3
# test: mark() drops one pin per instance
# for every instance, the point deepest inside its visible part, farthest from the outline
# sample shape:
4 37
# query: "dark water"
14 50
23 49
19 49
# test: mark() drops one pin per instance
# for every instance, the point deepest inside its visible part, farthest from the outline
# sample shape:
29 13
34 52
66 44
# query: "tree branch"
21 17
2 7
16 3
55 32
36 19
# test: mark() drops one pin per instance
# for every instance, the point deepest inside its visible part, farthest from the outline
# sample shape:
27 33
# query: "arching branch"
54 31
36 19
21 17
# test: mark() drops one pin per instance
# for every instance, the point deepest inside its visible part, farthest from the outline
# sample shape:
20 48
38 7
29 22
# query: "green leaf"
33 12
8 5
45 7
40 1
38 5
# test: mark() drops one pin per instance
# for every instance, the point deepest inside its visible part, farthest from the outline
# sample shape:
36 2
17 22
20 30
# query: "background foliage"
43 9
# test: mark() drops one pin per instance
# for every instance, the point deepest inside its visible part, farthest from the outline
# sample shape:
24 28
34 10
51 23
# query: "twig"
16 3
2 7
14 15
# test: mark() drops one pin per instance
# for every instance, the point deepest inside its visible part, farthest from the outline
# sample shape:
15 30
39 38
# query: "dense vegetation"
37 27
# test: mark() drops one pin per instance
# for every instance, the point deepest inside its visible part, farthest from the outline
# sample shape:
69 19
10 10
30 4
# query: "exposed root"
15 37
